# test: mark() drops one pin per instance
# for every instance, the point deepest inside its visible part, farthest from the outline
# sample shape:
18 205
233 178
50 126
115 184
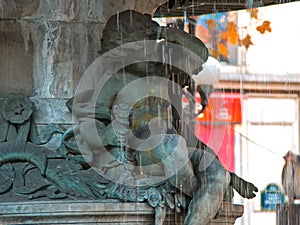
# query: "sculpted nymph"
140 123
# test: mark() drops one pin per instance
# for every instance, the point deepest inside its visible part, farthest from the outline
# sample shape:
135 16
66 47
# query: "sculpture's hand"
248 191
244 188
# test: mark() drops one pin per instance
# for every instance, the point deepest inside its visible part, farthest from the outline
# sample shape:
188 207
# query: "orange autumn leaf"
224 35
246 41
253 13
223 49
211 24
233 37
265 26
260 29
230 33
214 53
231 26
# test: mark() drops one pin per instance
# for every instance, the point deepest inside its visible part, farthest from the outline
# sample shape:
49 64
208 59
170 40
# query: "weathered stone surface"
62 53
15 9
76 10
98 212
45 46
52 111
16 60
45 58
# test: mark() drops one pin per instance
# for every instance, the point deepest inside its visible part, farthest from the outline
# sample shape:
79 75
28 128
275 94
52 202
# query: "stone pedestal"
110 212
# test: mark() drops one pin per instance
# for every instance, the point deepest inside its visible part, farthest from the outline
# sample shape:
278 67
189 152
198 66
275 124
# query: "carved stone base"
109 212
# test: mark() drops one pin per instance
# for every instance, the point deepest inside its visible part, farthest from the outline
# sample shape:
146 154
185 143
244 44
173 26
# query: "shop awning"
198 7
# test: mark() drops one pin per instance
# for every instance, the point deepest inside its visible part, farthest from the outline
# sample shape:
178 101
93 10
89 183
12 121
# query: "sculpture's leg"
207 199
177 165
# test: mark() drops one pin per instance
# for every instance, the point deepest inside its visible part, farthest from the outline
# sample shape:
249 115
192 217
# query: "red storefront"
215 126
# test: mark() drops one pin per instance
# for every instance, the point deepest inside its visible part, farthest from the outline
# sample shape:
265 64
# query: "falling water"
118 21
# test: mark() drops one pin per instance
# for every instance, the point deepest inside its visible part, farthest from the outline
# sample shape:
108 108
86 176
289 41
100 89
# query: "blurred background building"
254 109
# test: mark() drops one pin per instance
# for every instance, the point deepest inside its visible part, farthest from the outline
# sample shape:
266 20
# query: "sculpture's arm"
186 40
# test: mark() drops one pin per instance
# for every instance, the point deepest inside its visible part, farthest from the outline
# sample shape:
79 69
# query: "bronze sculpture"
206 186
